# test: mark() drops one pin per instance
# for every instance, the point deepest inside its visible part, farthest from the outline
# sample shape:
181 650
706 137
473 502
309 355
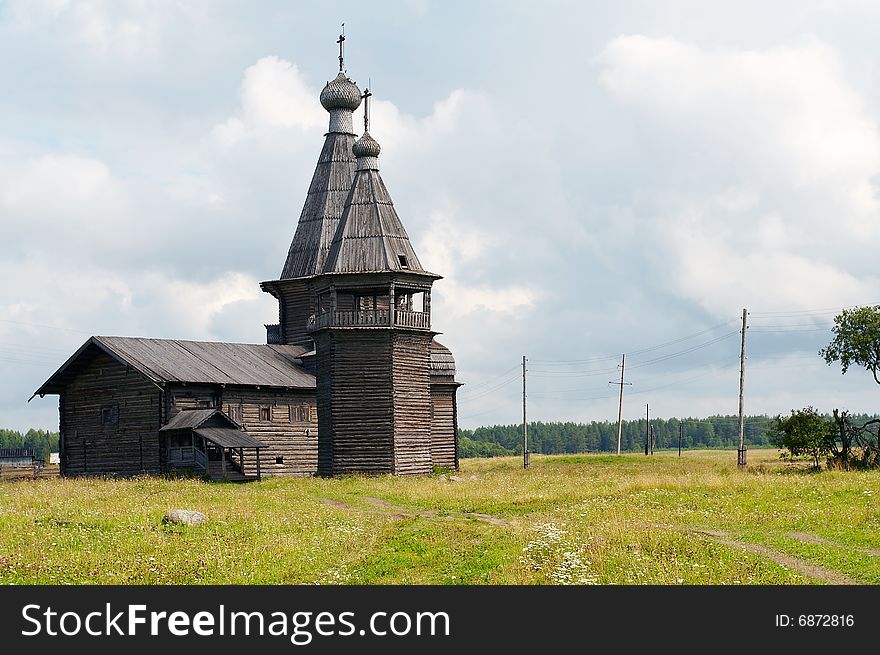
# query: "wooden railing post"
391 306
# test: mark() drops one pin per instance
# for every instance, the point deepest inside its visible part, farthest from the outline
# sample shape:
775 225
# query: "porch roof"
229 438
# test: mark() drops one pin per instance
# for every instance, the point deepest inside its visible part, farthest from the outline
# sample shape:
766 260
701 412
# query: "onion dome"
341 93
366 146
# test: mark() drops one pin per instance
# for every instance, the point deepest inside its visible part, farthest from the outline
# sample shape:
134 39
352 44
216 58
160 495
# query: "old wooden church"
351 379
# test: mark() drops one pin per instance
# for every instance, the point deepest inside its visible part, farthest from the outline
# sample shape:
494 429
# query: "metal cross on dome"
366 98
340 41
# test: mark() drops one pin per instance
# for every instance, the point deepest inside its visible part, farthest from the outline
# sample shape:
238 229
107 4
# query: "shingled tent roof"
196 362
370 236
323 207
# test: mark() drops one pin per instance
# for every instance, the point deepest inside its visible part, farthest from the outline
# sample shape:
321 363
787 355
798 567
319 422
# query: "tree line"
42 441
846 440
601 436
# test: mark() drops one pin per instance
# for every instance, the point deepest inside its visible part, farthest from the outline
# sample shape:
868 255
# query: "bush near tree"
805 432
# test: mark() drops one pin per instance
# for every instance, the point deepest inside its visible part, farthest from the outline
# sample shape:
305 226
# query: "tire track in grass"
399 512
800 566
813 539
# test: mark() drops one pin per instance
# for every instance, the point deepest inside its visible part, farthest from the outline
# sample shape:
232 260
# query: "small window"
402 260
265 413
205 404
279 460
106 416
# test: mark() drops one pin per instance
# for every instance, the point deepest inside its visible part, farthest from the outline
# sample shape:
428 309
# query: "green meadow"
586 519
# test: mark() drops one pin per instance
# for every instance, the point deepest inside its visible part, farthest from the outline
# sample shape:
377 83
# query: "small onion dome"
366 146
341 93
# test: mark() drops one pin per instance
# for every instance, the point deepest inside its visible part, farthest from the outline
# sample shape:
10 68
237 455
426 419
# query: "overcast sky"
590 178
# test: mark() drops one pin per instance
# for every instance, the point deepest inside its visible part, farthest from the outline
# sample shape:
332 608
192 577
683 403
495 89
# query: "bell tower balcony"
389 306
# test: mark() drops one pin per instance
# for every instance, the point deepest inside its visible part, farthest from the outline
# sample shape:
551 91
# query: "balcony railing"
404 318
371 318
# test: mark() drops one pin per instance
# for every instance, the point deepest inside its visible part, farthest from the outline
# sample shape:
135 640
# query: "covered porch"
208 442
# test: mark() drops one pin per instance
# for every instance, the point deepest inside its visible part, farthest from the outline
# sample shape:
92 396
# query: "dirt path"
399 512
813 539
800 566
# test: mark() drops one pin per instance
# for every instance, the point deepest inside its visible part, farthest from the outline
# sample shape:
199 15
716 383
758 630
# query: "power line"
680 353
639 351
48 327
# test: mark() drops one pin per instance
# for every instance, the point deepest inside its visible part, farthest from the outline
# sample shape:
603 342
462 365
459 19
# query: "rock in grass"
184 517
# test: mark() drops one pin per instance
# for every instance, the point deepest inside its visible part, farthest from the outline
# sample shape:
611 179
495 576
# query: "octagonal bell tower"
372 334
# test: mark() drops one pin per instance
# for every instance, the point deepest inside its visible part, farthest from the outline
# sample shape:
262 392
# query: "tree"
805 432
856 340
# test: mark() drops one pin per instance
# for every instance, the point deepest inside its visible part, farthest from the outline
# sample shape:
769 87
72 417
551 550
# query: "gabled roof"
229 437
323 207
203 422
195 418
197 362
370 236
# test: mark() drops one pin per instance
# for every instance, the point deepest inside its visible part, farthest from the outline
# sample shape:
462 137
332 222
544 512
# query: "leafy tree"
856 340
805 432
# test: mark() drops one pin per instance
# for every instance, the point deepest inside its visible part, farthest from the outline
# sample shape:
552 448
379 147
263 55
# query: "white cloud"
798 144
452 246
274 96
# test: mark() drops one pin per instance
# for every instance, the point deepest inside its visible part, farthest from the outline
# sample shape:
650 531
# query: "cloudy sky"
590 178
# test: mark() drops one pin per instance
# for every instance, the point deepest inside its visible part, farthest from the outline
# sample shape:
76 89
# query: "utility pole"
741 452
652 439
525 423
647 426
680 431
620 406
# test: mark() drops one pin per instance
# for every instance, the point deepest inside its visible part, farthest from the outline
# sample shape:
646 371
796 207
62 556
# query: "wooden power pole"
680 431
741 452
525 422
620 405
647 426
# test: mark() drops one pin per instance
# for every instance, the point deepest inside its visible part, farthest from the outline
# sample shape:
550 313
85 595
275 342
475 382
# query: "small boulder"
454 478
184 517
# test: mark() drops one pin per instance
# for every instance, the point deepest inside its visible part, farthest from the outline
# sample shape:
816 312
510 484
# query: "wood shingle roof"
370 236
323 208
195 362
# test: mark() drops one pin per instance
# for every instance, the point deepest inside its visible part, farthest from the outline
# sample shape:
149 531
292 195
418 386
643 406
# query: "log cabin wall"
181 398
295 305
444 430
110 419
285 420
355 401
412 402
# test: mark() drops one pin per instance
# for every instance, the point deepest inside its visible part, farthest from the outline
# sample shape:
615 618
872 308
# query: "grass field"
567 520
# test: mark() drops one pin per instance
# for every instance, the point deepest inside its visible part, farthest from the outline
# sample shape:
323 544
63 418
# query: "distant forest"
559 438
42 441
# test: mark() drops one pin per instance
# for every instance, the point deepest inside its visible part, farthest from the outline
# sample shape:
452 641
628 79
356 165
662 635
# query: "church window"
402 260
265 413
109 415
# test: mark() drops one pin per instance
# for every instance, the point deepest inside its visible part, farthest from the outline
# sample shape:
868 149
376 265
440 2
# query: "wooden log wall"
296 304
444 441
325 356
110 419
290 433
412 402
355 402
